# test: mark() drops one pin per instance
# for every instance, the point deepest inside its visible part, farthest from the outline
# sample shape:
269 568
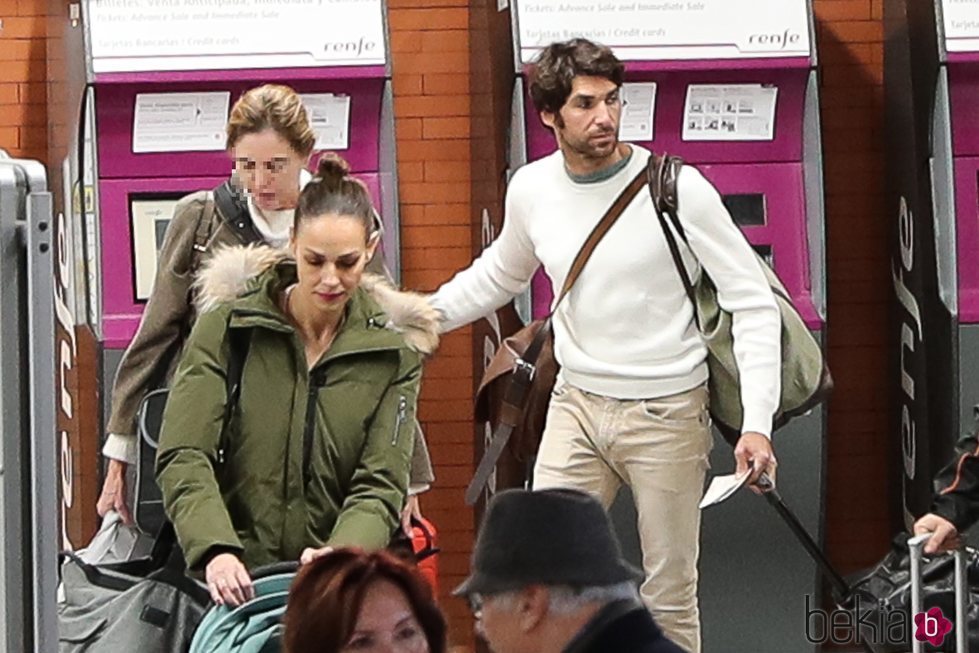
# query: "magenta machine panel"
730 86
160 97
935 211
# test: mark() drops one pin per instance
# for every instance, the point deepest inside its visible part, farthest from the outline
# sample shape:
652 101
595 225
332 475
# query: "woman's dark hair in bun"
334 191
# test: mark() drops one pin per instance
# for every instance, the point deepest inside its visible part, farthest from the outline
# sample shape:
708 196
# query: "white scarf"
274 225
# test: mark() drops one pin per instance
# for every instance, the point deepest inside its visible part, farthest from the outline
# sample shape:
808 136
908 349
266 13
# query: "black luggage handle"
430 549
275 569
839 583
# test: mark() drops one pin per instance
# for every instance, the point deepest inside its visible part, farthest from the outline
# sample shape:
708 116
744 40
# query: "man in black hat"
548 577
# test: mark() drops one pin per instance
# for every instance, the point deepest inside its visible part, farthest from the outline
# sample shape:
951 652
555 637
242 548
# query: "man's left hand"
754 451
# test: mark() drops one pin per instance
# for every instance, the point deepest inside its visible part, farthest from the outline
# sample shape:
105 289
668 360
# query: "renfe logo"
67 354
360 46
780 41
932 626
911 336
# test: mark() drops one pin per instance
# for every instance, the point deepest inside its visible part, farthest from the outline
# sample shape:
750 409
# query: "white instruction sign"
180 122
150 219
737 112
647 30
638 112
162 35
961 18
329 116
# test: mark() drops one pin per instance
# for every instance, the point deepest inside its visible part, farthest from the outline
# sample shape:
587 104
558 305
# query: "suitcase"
961 625
844 591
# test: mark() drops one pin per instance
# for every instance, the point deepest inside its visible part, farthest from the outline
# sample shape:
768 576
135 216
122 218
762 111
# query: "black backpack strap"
149 417
233 208
240 340
662 172
202 235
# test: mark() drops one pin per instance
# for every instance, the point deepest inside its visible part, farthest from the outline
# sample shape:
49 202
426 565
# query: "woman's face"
268 169
386 623
331 252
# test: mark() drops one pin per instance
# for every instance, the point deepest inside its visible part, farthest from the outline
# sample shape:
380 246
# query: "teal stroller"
254 627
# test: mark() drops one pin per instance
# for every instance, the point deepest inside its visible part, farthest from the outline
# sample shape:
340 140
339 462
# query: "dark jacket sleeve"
164 322
371 509
958 486
190 440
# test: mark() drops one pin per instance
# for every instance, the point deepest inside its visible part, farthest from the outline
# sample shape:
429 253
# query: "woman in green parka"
316 449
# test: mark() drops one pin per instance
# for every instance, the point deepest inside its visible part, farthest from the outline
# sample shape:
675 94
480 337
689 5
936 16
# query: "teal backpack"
254 627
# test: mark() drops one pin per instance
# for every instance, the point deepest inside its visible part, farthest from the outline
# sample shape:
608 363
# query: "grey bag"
806 381
130 606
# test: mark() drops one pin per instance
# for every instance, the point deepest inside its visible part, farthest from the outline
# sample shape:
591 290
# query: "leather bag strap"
611 215
518 387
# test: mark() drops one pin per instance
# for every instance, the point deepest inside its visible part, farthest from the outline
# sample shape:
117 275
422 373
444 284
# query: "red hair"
327 594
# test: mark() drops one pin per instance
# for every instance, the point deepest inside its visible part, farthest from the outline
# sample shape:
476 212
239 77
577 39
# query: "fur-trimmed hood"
231 271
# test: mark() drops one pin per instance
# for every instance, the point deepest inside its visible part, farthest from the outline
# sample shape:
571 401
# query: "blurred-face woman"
270 142
353 602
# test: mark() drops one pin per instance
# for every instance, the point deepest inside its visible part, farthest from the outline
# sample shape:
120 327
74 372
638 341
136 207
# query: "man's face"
588 123
511 622
496 624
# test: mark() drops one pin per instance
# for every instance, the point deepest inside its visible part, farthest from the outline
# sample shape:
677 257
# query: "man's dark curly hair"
559 63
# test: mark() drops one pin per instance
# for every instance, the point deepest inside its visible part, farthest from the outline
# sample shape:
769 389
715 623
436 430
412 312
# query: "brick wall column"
23 108
430 58
850 41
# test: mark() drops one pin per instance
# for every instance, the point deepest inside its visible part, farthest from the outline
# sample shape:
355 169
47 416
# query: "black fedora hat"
551 537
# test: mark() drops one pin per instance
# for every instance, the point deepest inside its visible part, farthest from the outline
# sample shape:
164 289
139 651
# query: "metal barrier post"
43 440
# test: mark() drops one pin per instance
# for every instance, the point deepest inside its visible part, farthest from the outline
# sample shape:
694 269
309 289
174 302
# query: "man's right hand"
113 495
945 537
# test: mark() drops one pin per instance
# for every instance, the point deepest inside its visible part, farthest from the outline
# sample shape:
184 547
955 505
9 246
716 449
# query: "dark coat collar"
622 627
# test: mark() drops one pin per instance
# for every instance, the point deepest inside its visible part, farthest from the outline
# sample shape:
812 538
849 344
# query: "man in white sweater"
630 404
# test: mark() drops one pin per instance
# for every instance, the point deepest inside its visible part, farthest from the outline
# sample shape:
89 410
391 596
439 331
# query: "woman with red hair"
349 601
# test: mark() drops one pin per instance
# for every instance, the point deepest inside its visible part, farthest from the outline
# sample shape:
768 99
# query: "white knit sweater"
626 329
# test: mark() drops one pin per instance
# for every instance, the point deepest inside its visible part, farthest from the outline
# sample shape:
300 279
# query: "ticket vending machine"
730 86
931 66
159 84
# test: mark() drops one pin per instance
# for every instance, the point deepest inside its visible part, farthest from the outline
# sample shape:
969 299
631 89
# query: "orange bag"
424 543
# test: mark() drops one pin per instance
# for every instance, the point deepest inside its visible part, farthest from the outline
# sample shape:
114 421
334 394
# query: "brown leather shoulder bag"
516 387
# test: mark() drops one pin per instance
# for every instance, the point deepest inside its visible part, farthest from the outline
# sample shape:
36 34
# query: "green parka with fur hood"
247 490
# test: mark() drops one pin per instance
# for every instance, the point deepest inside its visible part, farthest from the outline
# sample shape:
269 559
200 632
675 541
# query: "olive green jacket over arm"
248 490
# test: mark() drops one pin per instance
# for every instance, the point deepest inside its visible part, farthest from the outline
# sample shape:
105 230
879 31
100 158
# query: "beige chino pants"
659 449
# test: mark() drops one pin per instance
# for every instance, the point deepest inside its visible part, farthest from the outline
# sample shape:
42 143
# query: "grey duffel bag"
138 605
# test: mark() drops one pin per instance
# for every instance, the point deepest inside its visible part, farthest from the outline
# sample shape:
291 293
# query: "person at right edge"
630 404
955 507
